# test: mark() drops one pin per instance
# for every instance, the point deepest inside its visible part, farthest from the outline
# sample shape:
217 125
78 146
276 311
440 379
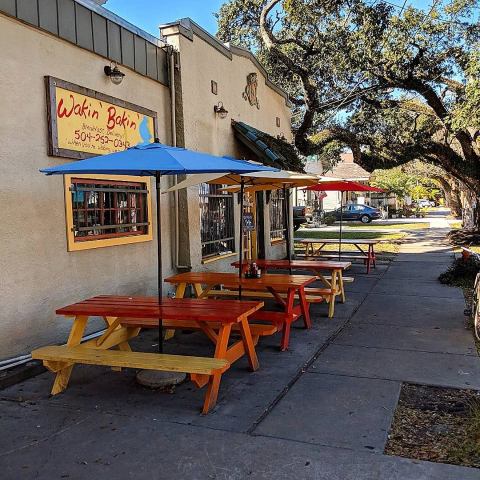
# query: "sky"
149 14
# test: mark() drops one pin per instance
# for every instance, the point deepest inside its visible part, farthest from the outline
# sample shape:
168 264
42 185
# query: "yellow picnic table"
334 283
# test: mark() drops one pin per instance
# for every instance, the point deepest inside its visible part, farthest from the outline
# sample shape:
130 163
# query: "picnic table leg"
75 337
180 291
248 344
197 288
214 381
331 298
305 306
277 297
341 285
369 258
288 319
112 324
374 258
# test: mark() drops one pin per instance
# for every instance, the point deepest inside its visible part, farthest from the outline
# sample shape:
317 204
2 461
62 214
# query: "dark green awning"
272 151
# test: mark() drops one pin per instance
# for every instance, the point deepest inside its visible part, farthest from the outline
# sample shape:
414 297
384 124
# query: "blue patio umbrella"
156 159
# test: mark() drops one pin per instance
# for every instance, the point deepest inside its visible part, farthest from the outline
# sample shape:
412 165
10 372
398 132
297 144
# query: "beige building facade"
170 78
205 61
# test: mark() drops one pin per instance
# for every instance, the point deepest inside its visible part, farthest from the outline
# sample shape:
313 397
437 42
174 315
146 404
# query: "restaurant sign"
84 123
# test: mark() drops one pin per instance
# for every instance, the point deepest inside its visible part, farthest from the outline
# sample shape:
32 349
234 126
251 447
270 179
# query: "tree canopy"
394 83
414 179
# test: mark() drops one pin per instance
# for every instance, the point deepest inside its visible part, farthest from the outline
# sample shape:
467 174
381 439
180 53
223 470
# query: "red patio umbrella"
342 186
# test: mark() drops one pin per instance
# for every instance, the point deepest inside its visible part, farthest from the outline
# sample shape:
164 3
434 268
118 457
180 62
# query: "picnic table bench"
126 316
368 256
334 283
214 284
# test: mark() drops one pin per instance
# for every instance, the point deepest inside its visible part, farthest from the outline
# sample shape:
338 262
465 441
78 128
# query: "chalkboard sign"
248 222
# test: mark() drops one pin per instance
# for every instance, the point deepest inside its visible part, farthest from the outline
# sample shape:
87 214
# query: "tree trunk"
451 191
470 210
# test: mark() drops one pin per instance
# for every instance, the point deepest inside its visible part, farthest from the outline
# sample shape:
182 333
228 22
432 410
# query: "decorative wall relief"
250 92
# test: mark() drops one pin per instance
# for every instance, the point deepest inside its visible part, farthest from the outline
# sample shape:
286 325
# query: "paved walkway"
322 410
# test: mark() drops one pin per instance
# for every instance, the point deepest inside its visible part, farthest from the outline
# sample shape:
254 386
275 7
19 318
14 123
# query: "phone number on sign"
102 139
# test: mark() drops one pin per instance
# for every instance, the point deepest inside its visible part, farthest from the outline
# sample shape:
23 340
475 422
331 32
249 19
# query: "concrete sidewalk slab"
355 412
330 397
343 311
101 446
418 271
362 284
440 257
414 311
446 370
417 288
455 340
243 396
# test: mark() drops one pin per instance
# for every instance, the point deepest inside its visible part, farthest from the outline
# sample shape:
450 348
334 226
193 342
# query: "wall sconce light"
220 110
116 76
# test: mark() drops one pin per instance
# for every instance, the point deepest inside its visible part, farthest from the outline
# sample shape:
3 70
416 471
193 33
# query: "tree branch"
309 86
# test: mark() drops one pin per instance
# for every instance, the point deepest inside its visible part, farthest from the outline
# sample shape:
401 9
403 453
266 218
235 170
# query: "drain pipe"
173 126
22 359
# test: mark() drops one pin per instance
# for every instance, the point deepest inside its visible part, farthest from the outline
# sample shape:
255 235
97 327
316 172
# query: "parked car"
424 203
363 213
301 215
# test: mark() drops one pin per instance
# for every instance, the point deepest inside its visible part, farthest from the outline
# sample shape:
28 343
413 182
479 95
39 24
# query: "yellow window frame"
73 246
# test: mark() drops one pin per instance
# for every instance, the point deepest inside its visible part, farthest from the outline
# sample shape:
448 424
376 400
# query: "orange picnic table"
204 285
125 316
334 283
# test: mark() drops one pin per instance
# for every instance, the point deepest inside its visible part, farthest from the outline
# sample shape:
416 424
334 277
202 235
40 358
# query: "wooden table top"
206 310
349 241
233 280
299 264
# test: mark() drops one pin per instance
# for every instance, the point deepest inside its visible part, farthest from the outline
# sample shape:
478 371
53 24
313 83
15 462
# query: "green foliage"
461 273
394 85
394 181
467 113
329 219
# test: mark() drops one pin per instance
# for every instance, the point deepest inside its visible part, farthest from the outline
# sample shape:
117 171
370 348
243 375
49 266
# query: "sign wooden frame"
51 83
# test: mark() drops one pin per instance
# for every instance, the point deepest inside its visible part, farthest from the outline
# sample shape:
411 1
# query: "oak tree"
392 82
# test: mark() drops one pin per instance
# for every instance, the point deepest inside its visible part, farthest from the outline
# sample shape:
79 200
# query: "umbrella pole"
341 223
240 253
159 261
286 214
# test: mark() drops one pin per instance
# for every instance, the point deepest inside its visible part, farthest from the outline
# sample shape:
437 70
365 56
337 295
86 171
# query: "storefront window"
216 220
106 210
277 216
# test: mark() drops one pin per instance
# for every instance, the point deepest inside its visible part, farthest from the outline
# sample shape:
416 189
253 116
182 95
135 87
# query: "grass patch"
456 225
466 450
388 226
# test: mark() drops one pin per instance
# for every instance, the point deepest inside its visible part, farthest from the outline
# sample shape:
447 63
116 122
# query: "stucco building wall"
37 274
203 59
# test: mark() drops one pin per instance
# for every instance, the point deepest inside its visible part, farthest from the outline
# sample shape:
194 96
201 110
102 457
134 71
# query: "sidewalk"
322 410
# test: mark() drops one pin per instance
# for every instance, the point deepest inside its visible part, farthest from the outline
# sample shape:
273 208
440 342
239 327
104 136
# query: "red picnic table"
334 284
368 256
274 285
125 316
